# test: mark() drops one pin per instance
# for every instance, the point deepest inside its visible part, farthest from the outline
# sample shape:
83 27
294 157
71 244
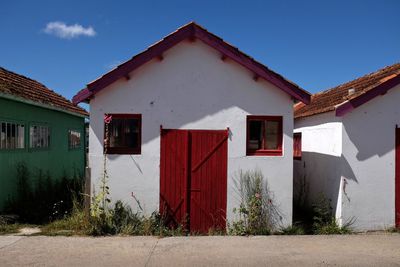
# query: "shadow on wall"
321 174
369 132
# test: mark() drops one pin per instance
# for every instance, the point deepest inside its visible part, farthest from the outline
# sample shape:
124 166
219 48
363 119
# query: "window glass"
74 139
12 135
271 134
124 134
39 136
255 133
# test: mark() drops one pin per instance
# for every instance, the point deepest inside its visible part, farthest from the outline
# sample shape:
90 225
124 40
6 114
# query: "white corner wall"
192 88
351 160
321 158
369 162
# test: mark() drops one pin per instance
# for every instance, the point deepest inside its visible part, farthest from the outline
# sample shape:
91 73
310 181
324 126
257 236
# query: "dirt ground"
347 250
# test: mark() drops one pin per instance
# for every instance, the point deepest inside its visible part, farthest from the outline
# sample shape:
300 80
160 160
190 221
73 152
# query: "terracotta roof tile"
327 100
20 86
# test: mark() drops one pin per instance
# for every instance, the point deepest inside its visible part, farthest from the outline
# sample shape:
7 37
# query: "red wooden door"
173 176
208 183
397 180
193 178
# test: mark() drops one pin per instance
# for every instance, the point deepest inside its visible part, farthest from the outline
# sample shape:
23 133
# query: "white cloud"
61 30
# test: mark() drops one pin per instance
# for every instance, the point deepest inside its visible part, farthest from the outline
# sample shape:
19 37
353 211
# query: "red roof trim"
82 96
381 89
186 32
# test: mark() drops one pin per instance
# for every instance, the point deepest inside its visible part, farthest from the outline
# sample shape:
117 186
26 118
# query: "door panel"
173 176
193 178
208 180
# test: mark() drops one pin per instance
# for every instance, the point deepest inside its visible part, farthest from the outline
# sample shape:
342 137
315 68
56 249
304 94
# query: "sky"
316 44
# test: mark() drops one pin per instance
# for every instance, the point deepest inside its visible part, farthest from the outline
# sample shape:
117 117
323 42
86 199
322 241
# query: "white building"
349 148
232 112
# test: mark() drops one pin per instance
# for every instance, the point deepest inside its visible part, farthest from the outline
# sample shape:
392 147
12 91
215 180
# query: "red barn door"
397 180
193 178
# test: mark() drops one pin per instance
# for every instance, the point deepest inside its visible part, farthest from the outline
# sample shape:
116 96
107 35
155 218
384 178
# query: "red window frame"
297 146
264 152
125 150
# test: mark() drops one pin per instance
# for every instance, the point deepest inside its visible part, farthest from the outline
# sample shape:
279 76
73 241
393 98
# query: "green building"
39 129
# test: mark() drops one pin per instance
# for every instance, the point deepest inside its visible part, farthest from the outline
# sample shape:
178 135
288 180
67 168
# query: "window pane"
3 136
271 135
124 133
20 136
39 136
255 135
74 139
11 135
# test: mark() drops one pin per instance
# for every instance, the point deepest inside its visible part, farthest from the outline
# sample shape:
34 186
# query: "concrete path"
351 250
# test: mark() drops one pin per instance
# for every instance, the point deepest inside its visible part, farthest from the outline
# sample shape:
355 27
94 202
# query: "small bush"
295 229
257 213
324 223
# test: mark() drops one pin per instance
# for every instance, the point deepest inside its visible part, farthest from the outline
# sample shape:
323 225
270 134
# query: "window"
297 146
39 136
12 135
74 139
124 134
264 135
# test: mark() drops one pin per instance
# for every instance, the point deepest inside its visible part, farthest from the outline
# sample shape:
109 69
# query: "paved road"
353 250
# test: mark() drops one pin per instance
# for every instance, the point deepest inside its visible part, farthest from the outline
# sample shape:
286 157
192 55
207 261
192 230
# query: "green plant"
9 228
77 222
40 198
324 223
257 212
295 229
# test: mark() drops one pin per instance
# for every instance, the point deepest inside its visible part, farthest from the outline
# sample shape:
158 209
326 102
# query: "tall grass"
41 198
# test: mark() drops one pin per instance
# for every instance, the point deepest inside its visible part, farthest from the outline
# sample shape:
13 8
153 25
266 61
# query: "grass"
6 229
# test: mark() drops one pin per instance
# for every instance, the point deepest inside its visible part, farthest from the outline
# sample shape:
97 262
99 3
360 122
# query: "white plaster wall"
369 154
192 88
321 158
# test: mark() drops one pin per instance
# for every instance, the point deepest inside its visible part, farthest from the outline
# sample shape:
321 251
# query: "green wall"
58 159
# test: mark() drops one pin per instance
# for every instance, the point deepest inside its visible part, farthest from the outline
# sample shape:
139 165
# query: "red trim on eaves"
190 31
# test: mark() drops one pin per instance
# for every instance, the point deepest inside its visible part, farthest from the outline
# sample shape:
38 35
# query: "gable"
192 76
192 32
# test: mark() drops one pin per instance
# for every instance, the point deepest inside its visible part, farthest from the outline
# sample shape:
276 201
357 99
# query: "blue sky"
317 44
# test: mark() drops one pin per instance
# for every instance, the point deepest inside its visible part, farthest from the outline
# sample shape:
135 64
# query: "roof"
192 31
21 87
339 99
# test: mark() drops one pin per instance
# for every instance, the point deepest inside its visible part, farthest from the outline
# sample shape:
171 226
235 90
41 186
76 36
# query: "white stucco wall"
369 154
321 157
192 88
352 159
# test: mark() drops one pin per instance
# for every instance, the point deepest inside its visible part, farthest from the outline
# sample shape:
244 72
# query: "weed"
295 229
40 198
324 223
257 212
6 229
